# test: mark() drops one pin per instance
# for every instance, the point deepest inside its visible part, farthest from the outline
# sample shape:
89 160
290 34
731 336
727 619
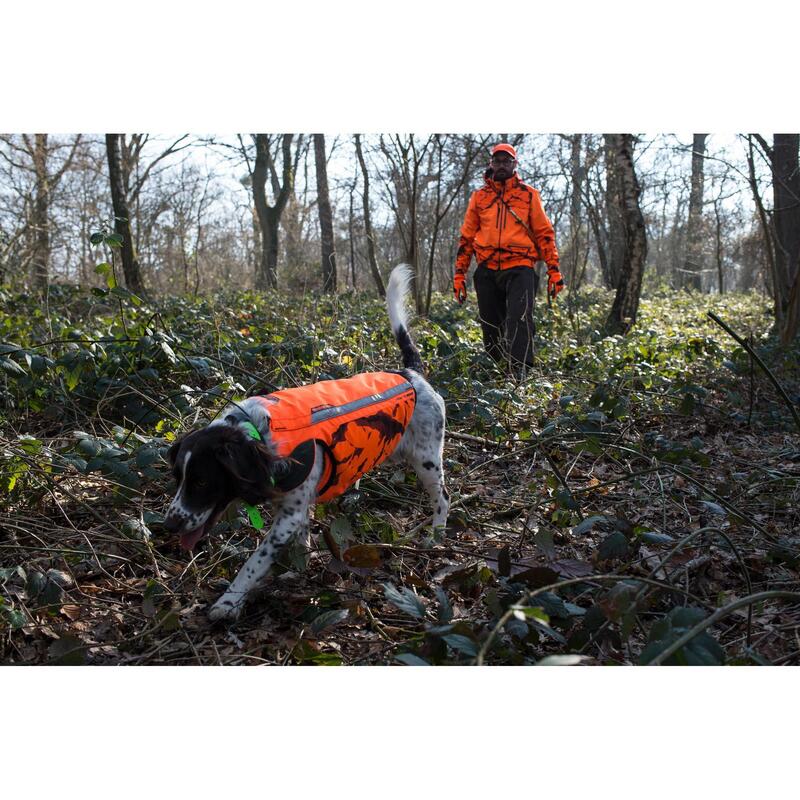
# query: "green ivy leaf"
405 600
11 367
461 644
327 619
411 660
702 650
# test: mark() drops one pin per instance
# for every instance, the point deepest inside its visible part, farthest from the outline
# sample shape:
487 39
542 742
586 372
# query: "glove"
460 287
555 282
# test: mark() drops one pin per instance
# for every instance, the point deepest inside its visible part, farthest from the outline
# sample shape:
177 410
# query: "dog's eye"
201 484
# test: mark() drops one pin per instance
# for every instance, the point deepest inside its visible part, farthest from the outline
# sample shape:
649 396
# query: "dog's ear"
250 465
172 453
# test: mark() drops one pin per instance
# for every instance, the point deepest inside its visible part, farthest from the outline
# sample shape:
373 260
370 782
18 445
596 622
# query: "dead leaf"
362 555
71 611
571 567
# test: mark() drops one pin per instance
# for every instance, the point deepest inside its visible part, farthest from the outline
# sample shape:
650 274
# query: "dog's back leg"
422 446
428 467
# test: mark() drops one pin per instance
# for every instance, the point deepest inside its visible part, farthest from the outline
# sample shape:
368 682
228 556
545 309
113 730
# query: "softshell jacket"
358 421
496 238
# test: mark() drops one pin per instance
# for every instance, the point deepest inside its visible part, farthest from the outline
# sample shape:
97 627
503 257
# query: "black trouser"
505 303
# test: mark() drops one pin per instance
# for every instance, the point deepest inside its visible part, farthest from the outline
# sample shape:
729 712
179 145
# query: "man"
506 228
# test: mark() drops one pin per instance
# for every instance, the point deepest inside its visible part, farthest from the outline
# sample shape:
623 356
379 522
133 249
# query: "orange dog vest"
358 421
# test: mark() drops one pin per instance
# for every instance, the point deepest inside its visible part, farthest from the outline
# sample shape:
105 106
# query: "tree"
786 219
626 302
616 236
122 214
468 151
373 262
781 232
269 216
575 171
693 265
351 236
35 157
403 184
325 217
128 173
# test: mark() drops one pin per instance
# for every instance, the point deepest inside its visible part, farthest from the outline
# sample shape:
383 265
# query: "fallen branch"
743 343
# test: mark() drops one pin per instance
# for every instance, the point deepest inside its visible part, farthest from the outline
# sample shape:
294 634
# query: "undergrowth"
603 509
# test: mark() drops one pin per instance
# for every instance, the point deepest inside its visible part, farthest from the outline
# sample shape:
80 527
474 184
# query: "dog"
297 447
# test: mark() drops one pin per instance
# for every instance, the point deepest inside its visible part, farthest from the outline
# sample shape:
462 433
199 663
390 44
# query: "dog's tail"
396 294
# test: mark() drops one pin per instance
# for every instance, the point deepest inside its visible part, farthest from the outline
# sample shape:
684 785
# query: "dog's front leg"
291 519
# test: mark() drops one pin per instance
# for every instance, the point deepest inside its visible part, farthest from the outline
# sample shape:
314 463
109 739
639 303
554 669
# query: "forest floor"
635 500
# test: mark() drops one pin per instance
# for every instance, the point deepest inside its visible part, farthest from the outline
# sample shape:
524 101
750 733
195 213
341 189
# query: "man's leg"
520 289
492 310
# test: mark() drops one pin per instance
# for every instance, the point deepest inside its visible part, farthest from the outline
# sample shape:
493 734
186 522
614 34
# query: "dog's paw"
225 610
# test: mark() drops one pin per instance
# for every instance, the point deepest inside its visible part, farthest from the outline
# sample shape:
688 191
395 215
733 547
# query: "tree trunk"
693 266
41 215
766 233
718 246
626 303
352 239
576 180
615 251
122 217
266 278
325 217
269 217
786 219
373 263
412 252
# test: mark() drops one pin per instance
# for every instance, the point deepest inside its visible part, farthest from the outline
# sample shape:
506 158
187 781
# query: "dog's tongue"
190 539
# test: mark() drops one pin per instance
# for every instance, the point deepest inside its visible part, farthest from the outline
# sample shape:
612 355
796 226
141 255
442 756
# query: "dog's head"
213 467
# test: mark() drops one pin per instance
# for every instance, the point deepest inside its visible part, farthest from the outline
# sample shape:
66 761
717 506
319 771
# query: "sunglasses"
503 160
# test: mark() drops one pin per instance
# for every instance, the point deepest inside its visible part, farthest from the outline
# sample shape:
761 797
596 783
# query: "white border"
346 67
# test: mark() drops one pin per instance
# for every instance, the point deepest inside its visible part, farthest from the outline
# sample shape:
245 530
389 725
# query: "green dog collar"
256 520
251 430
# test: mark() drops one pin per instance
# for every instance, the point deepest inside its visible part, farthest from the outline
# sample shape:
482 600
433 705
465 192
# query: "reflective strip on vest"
336 411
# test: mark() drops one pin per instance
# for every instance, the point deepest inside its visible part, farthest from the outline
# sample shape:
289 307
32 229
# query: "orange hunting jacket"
358 421
496 238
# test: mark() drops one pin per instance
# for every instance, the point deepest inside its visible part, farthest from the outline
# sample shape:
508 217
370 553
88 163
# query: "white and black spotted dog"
236 457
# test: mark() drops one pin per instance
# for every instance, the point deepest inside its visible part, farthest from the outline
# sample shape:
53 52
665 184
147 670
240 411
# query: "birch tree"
623 312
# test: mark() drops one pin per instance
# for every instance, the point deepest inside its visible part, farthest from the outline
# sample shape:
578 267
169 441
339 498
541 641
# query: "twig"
789 404
716 617
528 596
468 437
461 501
654 571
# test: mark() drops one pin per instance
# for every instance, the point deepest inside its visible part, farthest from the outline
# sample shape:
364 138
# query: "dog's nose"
172 523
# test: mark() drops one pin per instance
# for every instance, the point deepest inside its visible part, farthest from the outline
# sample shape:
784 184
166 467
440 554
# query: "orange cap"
503 147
